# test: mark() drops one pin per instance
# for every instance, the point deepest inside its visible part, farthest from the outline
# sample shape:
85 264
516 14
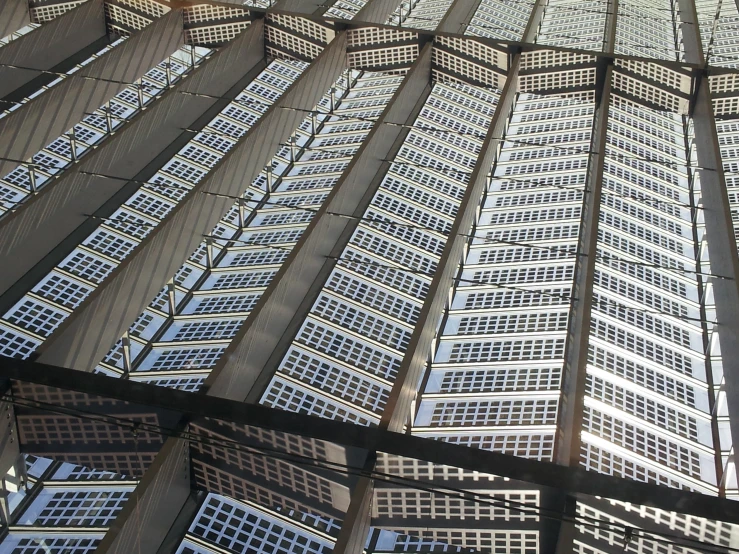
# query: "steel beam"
14 14
49 225
298 7
145 520
247 370
89 333
397 409
9 442
41 120
567 443
376 12
722 247
244 370
691 35
49 45
458 17
372 439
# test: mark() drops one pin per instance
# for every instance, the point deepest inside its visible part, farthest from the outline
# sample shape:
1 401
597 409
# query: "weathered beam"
567 445
574 374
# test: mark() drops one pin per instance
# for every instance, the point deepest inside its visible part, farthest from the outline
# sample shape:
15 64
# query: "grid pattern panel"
647 338
345 358
505 332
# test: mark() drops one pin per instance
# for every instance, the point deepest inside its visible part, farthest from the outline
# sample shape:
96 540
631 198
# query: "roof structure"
369 276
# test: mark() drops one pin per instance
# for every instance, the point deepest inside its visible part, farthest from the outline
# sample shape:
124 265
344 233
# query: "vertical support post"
171 298
270 179
126 345
209 252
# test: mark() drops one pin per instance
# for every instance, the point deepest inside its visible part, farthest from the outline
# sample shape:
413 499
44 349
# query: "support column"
143 523
560 536
49 45
245 369
10 454
38 122
44 229
691 34
87 335
14 14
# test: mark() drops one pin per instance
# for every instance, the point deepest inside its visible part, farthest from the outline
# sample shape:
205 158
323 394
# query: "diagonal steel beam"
249 362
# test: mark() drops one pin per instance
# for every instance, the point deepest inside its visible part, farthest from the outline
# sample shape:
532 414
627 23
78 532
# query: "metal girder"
719 237
247 365
543 474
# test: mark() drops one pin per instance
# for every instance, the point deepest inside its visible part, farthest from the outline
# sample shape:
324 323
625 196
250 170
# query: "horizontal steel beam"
545 474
